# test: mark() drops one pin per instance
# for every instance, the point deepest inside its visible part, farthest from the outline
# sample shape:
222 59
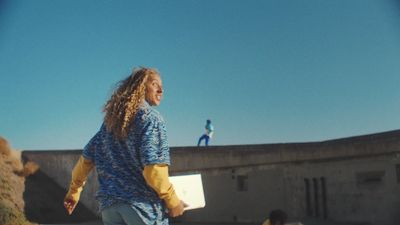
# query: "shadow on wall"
44 202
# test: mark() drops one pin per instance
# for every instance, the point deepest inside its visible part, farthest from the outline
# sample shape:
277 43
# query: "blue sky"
263 71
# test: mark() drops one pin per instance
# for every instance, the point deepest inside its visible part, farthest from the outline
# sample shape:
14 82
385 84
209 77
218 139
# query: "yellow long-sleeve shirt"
156 176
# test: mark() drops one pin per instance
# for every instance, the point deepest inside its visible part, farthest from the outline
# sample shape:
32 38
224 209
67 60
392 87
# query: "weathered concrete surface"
43 202
58 165
243 183
195 158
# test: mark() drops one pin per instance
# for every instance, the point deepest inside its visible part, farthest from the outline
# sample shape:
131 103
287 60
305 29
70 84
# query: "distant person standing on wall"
276 217
208 135
131 155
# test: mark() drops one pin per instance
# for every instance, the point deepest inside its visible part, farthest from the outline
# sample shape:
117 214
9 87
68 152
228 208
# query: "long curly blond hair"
121 108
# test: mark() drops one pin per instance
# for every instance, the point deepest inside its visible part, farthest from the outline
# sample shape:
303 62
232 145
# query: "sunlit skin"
70 205
154 90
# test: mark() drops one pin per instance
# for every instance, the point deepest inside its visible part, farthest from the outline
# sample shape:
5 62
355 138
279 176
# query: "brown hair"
121 108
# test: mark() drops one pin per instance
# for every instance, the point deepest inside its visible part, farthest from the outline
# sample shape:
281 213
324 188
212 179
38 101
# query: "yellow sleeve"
79 176
156 177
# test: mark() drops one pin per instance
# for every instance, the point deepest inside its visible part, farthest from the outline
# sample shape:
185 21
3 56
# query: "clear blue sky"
263 71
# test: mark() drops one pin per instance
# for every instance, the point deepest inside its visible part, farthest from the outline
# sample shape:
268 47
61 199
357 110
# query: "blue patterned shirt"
120 164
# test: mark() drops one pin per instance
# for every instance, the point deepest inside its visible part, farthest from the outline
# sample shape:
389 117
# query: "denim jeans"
206 137
121 214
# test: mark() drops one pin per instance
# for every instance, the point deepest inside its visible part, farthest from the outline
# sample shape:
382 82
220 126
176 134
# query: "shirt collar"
145 104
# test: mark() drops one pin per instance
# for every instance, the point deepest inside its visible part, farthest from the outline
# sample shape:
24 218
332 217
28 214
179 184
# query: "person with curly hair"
131 155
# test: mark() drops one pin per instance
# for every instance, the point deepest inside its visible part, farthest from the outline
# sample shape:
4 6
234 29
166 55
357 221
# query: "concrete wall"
283 186
58 166
351 179
357 190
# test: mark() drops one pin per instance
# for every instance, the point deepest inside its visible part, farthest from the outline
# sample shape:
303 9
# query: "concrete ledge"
200 158
213 157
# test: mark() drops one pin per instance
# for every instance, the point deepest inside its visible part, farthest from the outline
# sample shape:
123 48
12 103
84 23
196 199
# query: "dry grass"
14 163
12 186
29 169
4 147
10 216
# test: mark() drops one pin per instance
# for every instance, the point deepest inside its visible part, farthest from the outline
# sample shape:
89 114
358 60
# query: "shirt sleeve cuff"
157 177
173 201
79 176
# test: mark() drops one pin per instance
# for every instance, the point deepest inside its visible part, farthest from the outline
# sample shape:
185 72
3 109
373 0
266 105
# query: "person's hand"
69 205
178 210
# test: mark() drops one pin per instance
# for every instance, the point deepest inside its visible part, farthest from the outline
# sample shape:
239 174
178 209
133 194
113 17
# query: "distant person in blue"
208 135
131 155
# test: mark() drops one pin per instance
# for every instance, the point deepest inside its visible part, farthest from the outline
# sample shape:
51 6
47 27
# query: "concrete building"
351 180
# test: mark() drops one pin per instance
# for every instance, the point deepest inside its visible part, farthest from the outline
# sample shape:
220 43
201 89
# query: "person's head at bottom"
277 217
